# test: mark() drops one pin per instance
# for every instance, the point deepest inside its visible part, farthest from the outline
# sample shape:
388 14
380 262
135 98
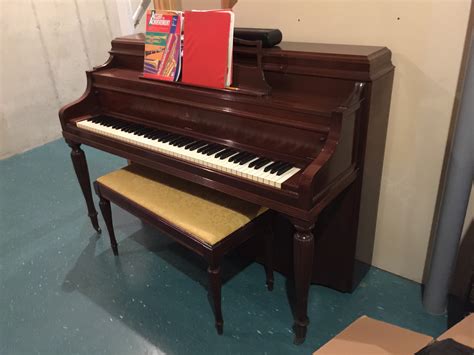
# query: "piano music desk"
205 221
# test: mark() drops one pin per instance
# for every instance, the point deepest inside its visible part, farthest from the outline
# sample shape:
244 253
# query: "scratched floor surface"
63 292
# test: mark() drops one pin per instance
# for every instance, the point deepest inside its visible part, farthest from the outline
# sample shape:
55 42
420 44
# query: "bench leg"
214 273
104 205
269 256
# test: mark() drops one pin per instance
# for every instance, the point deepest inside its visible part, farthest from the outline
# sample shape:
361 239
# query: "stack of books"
205 54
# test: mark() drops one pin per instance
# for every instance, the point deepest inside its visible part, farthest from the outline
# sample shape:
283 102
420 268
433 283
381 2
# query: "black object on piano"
269 37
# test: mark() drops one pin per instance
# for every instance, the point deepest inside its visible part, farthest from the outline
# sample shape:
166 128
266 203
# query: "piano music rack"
247 79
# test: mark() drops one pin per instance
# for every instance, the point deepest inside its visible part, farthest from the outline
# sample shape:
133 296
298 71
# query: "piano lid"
343 61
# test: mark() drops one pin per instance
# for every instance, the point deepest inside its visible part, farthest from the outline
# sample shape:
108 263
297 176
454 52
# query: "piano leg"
303 251
82 172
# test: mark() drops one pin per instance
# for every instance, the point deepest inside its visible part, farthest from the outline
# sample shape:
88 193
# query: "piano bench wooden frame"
212 254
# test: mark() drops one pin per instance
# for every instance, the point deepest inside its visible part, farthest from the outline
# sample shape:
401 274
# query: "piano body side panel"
342 160
343 248
372 153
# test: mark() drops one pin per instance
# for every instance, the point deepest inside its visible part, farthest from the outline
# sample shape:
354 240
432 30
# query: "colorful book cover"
163 45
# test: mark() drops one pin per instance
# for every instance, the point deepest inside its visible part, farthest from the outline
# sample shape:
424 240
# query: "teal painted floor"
63 292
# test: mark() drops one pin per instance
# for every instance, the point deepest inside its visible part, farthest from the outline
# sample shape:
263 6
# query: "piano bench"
206 221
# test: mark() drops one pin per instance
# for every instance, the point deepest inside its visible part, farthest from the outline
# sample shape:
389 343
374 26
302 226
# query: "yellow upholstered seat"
204 213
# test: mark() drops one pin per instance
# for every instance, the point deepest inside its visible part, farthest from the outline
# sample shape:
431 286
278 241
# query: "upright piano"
302 133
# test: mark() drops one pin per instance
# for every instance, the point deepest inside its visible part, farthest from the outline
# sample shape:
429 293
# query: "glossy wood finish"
215 285
324 103
80 167
213 254
269 251
106 210
303 245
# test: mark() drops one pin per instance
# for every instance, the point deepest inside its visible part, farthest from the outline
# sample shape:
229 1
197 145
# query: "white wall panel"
46 46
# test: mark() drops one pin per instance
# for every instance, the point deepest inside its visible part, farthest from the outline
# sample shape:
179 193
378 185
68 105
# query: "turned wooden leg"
107 214
214 272
269 255
303 249
82 172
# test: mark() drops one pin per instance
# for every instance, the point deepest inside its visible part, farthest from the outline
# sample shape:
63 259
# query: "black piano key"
105 123
175 139
214 150
193 146
284 169
239 156
175 142
132 128
111 122
247 159
126 126
276 167
217 151
237 160
118 124
159 135
94 119
169 138
188 141
103 120
208 148
256 161
198 146
151 133
271 166
143 131
162 139
261 163
228 154
202 148
236 157
243 157
218 155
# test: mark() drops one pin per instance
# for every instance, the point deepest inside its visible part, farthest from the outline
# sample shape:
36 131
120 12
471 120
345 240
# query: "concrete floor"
63 292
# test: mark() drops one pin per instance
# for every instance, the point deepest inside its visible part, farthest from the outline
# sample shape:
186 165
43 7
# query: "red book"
207 54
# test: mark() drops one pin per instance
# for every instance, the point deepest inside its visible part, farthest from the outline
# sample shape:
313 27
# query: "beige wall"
426 39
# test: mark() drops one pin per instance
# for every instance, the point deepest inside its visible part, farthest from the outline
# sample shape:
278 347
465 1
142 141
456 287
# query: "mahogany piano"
292 135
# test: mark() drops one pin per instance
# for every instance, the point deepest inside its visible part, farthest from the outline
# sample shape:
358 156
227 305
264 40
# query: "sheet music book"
163 45
208 45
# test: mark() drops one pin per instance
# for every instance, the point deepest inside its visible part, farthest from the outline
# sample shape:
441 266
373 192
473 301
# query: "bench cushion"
204 213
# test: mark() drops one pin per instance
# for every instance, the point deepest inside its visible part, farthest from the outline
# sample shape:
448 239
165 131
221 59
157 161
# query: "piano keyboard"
229 160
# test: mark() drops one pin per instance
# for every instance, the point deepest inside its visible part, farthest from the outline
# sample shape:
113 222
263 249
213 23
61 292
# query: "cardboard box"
463 332
369 336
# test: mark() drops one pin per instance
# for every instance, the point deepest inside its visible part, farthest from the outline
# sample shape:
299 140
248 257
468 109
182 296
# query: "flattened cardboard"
463 332
367 336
